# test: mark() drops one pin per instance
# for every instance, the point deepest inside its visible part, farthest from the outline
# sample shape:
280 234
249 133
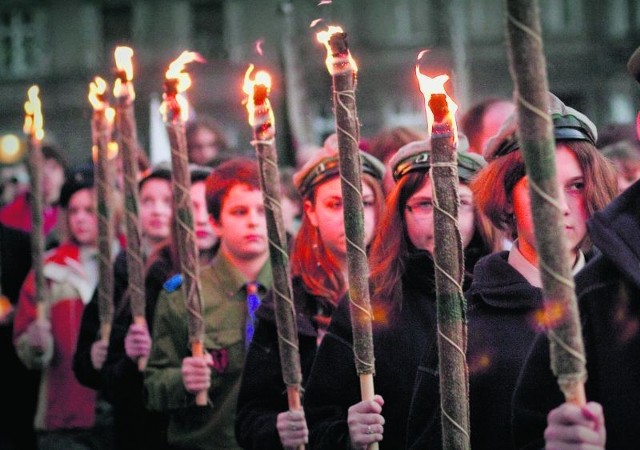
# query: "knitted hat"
416 156
326 164
568 125
79 177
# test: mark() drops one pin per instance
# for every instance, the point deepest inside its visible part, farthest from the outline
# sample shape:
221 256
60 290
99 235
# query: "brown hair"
386 142
318 269
390 248
493 186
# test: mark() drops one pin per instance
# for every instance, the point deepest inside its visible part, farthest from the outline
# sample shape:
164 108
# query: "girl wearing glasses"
404 309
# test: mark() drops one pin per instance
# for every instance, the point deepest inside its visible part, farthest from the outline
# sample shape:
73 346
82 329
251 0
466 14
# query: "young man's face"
82 217
242 228
52 180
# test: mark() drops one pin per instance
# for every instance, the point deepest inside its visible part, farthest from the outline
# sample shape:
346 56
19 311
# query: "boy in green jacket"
229 285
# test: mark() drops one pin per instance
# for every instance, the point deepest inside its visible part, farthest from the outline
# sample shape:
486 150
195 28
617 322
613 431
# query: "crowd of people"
69 388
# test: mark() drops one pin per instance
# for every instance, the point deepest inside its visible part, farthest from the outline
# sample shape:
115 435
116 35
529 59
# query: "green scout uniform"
225 314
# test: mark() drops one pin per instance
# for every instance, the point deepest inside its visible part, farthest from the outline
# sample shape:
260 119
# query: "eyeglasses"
425 207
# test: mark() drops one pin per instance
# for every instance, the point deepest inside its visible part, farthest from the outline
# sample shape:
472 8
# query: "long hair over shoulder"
390 248
319 270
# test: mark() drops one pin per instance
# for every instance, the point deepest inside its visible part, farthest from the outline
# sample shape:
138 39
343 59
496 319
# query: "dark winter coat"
398 338
608 291
15 262
501 328
262 392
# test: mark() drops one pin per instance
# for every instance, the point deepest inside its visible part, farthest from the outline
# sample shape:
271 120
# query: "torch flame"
181 81
176 68
324 37
124 66
97 90
261 82
112 151
430 86
33 120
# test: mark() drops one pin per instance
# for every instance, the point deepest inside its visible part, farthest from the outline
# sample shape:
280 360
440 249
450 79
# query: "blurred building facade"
62 44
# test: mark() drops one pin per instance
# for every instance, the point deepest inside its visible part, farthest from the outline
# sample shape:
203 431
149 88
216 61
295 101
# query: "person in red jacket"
66 416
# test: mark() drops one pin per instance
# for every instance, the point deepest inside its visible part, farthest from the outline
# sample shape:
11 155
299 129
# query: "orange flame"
33 120
261 80
97 91
124 66
324 37
180 81
112 151
430 86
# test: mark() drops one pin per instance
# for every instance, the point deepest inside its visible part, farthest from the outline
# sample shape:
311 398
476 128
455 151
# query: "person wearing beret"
505 295
608 292
404 312
319 272
67 413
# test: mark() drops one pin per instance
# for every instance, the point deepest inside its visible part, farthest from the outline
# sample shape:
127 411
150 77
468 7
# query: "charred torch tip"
260 94
438 106
339 44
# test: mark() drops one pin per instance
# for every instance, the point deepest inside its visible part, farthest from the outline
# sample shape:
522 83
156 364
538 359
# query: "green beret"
416 156
568 125
325 164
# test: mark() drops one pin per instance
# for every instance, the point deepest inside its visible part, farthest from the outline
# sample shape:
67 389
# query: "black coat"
398 337
262 392
501 329
119 380
608 291
123 382
20 397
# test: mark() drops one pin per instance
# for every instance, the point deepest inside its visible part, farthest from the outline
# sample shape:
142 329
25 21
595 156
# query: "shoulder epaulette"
173 283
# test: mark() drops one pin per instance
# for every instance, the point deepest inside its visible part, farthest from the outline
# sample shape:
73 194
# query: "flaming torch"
34 129
128 142
343 70
449 262
262 121
101 128
528 70
175 111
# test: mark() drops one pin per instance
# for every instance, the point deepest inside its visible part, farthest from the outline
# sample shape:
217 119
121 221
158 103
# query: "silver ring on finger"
369 430
292 427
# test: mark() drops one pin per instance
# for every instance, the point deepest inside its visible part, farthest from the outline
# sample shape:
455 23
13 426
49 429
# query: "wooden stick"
528 70
34 129
348 130
264 143
101 132
187 249
35 162
128 144
449 261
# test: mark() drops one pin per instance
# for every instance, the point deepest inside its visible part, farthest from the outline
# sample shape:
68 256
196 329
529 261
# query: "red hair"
319 270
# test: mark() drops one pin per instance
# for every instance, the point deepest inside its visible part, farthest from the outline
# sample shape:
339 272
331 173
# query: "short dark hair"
227 175
49 151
